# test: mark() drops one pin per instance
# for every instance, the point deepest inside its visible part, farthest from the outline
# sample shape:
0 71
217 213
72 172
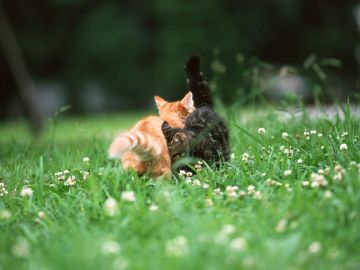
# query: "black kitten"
205 135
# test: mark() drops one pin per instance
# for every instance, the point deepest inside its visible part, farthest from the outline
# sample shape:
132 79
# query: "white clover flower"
205 186
328 194
61 177
189 174
231 188
257 195
66 171
284 135
177 247
288 152
338 177
320 135
217 191
86 160
339 173
281 226
110 247
318 180
338 168
306 133
232 156
288 188
225 232
314 184
238 244
343 146
20 248
245 157
128 196
299 161
196 182
26 192
188 180
228 229
251 189
312 132
305 183
314 247
287 172
261 131
153 207
110 207
70 181
198 167
41 214
85 174
270 182
3 190
231 192
182 173
5 214
353 163
209 202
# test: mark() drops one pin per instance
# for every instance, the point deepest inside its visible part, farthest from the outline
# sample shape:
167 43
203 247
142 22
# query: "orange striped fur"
143 148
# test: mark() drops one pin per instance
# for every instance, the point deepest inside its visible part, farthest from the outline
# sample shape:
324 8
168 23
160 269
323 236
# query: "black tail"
197 83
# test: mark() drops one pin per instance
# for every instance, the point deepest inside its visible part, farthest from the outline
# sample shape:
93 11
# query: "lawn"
288 199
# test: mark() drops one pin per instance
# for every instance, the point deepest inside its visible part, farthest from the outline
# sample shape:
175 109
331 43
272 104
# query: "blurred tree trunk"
25 85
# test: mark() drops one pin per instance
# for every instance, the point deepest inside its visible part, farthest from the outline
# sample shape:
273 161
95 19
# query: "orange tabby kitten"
144 147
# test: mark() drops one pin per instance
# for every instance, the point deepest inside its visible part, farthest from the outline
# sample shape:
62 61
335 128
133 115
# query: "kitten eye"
177 138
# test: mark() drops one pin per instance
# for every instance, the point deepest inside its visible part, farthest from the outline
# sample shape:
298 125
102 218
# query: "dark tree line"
134 49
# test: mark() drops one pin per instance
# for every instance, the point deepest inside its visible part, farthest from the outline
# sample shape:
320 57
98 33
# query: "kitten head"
178 141
176 112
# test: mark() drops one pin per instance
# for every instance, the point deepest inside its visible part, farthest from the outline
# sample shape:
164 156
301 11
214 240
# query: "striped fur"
144 145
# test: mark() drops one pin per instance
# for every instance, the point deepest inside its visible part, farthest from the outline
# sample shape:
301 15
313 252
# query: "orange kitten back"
144 147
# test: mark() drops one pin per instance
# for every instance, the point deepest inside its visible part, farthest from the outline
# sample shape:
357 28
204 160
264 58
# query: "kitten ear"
188 102
165 126
159 101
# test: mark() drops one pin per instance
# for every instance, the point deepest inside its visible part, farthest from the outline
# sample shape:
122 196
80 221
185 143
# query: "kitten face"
179 144
175 113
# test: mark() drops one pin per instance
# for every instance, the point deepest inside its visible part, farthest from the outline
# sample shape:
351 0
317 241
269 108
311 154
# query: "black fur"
205 135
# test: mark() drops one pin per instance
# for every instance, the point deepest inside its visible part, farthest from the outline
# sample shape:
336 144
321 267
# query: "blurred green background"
110 56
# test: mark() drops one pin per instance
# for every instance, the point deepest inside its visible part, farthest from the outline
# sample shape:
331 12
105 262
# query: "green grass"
172 225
